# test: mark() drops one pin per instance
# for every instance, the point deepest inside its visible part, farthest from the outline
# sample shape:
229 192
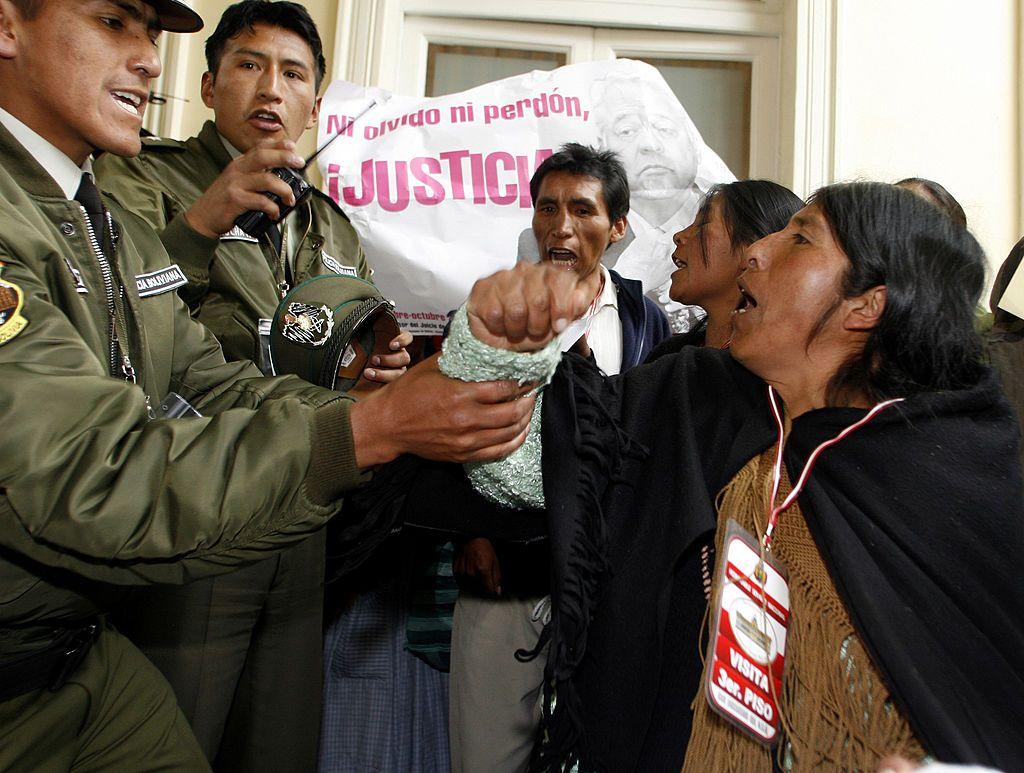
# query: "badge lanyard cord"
592 311
590 314
775 512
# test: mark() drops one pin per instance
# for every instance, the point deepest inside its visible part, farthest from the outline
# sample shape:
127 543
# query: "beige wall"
930 88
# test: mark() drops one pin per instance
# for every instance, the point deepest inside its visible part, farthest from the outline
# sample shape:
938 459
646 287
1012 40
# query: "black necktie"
88 196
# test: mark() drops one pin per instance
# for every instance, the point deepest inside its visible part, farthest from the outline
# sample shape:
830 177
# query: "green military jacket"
235 281
93 492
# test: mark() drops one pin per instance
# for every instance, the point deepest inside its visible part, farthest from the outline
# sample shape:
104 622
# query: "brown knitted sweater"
835 709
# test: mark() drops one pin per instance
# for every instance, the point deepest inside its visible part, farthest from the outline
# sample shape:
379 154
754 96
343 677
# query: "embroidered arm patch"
11 301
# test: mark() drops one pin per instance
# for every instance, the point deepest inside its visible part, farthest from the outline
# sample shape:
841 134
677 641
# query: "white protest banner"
438 189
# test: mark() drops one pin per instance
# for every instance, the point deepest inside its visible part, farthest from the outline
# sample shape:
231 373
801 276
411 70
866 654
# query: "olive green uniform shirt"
234 281
92 492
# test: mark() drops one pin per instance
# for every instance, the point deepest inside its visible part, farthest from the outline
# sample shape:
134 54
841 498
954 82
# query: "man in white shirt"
580 198
668 169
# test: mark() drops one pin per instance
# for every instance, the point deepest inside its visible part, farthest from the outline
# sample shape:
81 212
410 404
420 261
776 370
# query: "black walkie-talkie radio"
255 222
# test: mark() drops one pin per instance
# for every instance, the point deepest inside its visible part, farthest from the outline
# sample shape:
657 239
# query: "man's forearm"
430 415
372 434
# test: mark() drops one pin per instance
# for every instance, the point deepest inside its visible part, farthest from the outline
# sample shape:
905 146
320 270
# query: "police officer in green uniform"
95 493
243 651
266 66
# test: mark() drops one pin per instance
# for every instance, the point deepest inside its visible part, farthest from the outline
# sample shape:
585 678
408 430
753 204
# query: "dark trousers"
243 652
116 712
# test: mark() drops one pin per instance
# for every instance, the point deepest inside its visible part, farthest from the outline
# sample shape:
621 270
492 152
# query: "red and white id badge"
747 649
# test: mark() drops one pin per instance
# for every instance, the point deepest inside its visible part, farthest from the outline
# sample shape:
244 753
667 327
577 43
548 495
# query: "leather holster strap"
50 667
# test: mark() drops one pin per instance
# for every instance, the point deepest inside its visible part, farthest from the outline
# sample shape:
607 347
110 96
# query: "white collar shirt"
65 172
689 201
602 327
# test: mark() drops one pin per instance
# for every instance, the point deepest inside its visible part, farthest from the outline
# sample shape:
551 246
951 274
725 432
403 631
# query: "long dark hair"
751 209
933 271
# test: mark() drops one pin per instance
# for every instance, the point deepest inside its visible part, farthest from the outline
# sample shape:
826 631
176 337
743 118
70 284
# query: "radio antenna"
337 134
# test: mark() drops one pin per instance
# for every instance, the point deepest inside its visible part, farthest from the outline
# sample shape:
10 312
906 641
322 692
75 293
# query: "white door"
444 56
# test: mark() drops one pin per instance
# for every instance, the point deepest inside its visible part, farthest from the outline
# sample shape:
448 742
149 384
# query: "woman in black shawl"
867 295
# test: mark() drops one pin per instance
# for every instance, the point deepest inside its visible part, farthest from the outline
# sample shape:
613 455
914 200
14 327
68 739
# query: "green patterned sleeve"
514 481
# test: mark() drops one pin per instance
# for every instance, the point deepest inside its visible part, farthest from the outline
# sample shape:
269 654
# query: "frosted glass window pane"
717 97
451 69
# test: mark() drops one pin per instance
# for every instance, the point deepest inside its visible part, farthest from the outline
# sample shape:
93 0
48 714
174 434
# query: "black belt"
51 667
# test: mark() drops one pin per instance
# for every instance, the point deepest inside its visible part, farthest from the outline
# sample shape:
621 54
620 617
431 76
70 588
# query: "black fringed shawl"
918 517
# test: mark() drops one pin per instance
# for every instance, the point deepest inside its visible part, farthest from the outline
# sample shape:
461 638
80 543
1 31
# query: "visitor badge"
747 649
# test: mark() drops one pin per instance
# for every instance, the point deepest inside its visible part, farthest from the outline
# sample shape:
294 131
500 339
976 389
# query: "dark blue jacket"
644 324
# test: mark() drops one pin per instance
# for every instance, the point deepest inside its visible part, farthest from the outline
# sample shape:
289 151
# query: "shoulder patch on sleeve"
236 234
160 281
333 264
11 301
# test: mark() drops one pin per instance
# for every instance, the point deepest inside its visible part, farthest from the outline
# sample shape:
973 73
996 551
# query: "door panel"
729 85
449 55
454 68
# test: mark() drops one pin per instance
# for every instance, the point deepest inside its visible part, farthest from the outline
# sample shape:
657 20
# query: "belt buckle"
74 654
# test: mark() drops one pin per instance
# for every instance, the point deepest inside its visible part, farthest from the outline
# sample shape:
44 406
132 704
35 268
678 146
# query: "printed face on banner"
571 222
438 189
649 133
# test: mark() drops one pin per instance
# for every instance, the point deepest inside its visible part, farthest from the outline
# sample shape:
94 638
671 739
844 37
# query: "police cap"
326 329
176 16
